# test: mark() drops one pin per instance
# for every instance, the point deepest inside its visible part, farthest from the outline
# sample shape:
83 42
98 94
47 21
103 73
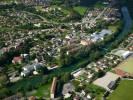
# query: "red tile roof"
17 59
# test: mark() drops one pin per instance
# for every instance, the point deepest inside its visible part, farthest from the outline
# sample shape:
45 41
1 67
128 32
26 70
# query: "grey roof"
14 97
104 32
26 72
68 87
32 67
29 67
98 36
111 84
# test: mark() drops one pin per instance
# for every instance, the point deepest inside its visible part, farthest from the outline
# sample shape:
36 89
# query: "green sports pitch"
124 91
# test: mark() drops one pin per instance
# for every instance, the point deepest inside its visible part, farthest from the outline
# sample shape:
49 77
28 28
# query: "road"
44 19
99 16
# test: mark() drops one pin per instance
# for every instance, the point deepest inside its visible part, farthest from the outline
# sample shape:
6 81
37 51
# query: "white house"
30 68
122 53
100 35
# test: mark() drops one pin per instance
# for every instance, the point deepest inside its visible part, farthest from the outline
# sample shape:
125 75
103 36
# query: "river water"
127 26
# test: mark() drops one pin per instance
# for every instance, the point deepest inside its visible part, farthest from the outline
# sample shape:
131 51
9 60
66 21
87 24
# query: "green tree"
4 92
66 77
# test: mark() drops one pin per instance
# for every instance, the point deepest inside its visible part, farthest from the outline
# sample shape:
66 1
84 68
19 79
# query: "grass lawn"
81 10
123 92
43 91
113 28
39 8
65 11
99 97
127 65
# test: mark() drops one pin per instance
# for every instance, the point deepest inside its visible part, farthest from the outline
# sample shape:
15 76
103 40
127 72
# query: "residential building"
85 42
106 81
122 53
18 60
53 88
27 70
67 89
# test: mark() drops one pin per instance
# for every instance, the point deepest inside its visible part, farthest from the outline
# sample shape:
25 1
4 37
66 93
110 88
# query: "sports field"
123 92
127 66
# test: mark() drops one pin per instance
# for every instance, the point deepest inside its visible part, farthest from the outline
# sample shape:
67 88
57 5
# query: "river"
127 20
127 27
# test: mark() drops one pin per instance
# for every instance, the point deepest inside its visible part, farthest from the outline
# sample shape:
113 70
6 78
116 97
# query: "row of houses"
108 13
108 61
36 2
128 43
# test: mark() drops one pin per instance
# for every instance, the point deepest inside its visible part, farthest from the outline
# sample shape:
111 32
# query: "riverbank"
60 71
